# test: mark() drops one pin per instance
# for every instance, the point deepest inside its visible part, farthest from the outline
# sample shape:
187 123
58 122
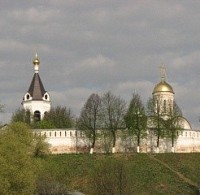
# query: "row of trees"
110 113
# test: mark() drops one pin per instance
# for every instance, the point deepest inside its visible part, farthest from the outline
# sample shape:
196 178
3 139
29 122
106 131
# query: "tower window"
46 97
165 109
37 115
27 96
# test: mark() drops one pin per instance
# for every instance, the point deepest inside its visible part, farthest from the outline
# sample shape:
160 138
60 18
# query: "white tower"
36 99
163 94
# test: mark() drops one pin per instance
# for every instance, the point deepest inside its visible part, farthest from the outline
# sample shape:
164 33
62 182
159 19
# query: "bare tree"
174 124
89 118
155 119
113 110
136 120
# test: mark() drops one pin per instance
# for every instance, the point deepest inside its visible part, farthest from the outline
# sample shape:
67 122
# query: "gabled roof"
36 89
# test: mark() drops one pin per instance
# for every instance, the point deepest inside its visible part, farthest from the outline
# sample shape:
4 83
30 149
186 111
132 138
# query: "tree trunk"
173 149
158 143
138 144
93 141
114 141
138 149
91 150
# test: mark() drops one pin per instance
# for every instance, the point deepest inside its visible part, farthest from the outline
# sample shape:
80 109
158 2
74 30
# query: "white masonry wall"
74 141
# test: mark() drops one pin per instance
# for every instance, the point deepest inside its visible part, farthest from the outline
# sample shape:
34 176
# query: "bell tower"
36 99
163 94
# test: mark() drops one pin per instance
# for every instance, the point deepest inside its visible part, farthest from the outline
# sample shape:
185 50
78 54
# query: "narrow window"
165 107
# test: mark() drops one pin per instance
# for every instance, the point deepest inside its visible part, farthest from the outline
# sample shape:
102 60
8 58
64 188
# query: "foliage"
21 115
41 147
59 117
43 124
47 184
18 169
136 120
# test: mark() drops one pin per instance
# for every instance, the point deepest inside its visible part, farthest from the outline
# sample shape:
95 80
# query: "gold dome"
163 87
36 61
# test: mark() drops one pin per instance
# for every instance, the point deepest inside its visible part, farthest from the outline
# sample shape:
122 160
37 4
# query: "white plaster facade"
36 99
41 105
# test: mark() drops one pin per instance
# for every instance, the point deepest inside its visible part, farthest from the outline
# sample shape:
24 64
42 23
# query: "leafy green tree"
18 170
21 115
43 124
113 110
90 117
59 117
136 120
41 147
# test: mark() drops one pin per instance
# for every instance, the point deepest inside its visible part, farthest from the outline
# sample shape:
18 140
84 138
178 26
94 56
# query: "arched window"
27 96
165 106
37 115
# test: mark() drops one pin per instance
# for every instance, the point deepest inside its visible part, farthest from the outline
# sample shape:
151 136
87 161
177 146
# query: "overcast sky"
92 46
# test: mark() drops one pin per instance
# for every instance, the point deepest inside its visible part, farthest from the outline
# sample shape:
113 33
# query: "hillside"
125 174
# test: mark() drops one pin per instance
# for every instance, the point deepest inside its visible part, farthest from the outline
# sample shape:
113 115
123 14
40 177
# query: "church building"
36 99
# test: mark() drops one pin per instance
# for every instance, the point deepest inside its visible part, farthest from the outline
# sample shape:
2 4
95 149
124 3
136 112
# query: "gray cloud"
95 46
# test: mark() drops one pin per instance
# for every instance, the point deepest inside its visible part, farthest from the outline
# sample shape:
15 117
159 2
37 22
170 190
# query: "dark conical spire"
36 89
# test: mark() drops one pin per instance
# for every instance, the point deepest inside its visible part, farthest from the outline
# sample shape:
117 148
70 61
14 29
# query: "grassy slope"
137 173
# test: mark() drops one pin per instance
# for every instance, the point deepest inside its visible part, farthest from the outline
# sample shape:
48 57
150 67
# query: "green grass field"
124 174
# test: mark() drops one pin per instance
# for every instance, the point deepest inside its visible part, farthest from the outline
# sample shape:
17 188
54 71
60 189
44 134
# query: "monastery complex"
38 101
